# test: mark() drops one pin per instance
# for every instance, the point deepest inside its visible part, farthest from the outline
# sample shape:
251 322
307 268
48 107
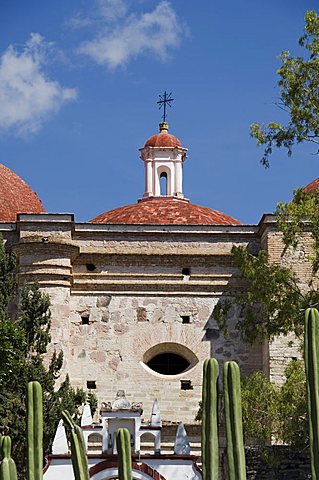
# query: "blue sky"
79 82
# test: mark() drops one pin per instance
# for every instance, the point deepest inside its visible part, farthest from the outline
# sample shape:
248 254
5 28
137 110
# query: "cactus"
233 418
210 452
312 374
79 458
35 431
8 470
123 446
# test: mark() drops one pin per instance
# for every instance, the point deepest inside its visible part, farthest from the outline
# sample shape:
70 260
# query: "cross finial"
165 99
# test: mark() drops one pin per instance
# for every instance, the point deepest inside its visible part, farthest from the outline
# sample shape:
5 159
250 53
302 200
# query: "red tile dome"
163 139
165 211
311 187
16 196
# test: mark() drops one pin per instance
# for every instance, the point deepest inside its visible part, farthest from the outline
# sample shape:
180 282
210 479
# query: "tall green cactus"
35 431
123 446
8 470
210 451
312 374
79 457
234 426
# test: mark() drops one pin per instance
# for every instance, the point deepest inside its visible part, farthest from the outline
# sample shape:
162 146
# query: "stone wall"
277 463
113 348
118 291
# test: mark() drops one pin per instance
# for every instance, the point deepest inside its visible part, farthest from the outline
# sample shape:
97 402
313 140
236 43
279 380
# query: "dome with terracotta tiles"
165 211
16 196
164 204
311 187
163 138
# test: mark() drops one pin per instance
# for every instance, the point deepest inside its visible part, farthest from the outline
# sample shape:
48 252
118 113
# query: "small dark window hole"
186 271
90 267
186 319
91 384
186 385
85 320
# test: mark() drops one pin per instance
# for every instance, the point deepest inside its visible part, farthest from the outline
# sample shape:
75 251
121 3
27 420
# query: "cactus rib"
8 470
210 452
123 446
312 373
78 453
233 418
35 431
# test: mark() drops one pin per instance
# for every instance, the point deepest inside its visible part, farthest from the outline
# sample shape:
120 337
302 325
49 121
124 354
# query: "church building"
133 290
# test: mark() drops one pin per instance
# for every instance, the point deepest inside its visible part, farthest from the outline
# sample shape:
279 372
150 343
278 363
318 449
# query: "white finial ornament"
156 415
86 418
60 443
182 446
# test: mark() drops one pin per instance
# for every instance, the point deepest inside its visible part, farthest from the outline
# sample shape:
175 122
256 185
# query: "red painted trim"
48 460
149 427
140 467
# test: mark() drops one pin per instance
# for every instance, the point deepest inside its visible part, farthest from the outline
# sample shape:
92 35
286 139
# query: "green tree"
293 406
270 411
272 303
260 407
299 97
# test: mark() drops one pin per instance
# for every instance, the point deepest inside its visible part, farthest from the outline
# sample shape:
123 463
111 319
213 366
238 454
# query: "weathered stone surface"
103 301
141 314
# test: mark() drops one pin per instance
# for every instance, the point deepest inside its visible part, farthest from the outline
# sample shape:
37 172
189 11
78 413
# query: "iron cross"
165 99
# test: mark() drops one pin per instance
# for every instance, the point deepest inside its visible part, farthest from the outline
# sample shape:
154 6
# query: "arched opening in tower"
163 183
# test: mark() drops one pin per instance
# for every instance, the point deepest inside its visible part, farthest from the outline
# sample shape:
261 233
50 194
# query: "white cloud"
27 95
112 9
155 32
101 12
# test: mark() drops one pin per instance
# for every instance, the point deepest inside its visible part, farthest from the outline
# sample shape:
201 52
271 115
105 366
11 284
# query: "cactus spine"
8 470
79 458
210 452
233 418
312 373
123 446
35 431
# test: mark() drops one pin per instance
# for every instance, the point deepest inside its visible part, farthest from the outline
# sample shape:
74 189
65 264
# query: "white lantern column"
163 158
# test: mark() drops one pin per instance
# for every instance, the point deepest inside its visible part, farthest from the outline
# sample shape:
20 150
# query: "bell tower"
163 156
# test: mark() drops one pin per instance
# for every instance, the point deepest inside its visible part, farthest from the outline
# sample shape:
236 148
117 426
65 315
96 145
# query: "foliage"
35 319
299 96
298 216
273 411
260 402
293 406
272 305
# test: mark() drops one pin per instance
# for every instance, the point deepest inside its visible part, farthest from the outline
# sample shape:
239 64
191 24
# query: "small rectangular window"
90 267
186 271
85 319
91 384
186 385
186 319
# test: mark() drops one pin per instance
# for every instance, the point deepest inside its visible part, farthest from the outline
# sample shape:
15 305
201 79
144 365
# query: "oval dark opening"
168 364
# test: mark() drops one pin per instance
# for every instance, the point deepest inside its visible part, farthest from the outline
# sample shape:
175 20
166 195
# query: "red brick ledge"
140 467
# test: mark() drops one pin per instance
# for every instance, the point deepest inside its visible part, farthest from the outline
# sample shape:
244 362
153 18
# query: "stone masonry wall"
285 348
112 348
